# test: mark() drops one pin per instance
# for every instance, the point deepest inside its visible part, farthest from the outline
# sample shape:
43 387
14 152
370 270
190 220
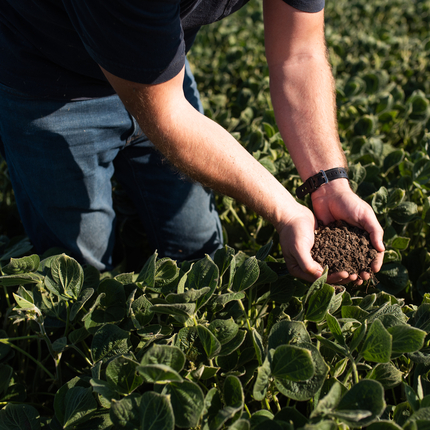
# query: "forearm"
208 154
302 87
302 91
202 149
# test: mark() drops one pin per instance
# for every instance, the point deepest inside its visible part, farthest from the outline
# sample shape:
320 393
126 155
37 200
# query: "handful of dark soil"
341 246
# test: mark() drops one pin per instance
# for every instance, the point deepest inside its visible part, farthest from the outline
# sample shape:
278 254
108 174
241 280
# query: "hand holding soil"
343 247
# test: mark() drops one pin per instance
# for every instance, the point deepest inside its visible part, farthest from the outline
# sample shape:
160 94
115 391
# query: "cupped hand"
336 201
297 239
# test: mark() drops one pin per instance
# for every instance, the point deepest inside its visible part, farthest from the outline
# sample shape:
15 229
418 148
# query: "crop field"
235 342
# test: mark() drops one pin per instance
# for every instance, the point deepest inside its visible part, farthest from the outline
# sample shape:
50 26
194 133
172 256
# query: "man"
62 61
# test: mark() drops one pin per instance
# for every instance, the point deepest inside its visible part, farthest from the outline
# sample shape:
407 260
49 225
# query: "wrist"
323 177
335 187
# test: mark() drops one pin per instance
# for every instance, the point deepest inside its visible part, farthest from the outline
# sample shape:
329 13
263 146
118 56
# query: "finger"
377 262
338 278
371 225
297 271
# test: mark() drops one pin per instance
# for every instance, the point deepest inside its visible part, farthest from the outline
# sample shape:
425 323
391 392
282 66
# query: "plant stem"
278 406
245 315
82 354
354 371
5 341
7 296
267 404
66 330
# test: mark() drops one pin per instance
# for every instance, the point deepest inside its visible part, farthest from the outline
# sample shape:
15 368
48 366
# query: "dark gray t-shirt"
53 48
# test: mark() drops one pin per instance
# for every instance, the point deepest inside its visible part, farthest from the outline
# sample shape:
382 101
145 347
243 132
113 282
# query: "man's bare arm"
202 149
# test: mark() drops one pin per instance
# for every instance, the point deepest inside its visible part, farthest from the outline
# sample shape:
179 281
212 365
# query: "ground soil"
341 246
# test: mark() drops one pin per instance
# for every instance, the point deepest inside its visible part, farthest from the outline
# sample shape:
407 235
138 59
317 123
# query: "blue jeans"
61 157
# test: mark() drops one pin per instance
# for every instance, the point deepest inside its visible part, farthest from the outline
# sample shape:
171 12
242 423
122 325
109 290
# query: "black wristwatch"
321 178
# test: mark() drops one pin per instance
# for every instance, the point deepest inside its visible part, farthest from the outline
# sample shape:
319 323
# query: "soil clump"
341 246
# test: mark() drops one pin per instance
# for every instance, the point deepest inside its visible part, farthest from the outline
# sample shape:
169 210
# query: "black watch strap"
321 178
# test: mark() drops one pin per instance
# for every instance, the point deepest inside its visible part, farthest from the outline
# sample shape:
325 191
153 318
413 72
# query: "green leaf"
262 381
233 345
258 345
317 285
341 350
112 305
367 395
329 401
400 243
422 317
187 402
393 159
404 213
168 355
335 329
240 424
210 343
176 309
412 397
246 275
19 417
22 265
141 311
121 375
66 277
79 406
319 303
166 271
151 411
406 339
223 299
204 273
288 332
234 400
60 344
233 392
106 392
125 414
291 414
147 274
264 251
223 258
377 345
395 197
379 201
422 417
224 330
187 296
158 373
293 363
354 312
393 277
109 341
85 295
387 374
305 390
21 279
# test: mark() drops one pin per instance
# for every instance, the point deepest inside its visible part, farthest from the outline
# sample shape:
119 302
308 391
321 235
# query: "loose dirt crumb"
341 246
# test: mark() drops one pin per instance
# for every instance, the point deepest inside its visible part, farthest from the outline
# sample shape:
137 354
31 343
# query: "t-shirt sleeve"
307 5
138 40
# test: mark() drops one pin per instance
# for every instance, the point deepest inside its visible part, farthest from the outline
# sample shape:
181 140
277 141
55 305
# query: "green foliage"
213 364
234 342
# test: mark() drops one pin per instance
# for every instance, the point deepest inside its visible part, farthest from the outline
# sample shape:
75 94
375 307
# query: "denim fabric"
61 157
